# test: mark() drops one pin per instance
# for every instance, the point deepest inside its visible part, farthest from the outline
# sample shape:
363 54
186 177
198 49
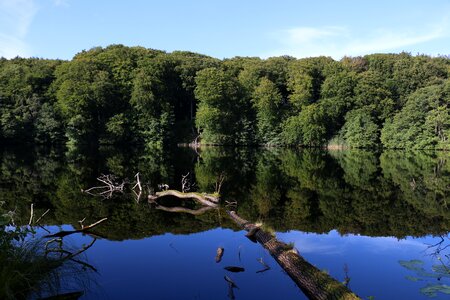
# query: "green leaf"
412 278
441 270
432 290
413 265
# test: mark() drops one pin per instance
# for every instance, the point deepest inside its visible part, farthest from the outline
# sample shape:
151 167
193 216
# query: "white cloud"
61 2
340 41
334 244
301 35
15 20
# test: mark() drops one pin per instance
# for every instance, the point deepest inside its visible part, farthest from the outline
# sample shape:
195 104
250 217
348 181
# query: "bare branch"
64 233
219 182
106 191
46 212
138 182
205 199
31 214
185 183
139 186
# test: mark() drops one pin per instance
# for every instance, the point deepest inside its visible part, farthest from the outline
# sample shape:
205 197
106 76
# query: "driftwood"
64 233
315 283
219 254
204 199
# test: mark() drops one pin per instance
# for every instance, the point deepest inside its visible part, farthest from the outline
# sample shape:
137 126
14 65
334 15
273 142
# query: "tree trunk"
315 283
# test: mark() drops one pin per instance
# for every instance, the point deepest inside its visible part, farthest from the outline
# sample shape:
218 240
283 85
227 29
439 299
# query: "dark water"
376 218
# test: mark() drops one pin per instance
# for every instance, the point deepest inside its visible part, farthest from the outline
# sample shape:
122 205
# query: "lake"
378 221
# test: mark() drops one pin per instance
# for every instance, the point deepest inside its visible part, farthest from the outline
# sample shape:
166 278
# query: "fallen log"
315 283
204 199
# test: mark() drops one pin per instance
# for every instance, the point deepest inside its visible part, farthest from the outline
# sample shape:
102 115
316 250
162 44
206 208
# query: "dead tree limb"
219 182
64 233
315 283
31 214
139 186
43 215
204 199
185 183
109 187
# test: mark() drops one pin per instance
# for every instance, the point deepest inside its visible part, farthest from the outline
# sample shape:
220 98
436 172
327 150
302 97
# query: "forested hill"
133 95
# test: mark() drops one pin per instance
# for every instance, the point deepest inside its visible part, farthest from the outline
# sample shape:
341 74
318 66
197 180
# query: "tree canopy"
123 95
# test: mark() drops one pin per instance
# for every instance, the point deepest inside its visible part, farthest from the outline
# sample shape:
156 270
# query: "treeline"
133 95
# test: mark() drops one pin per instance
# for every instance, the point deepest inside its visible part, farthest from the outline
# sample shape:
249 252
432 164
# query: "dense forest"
134 95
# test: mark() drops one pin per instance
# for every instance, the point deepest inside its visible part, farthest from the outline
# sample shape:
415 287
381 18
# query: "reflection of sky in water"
334 244
373 262
182 266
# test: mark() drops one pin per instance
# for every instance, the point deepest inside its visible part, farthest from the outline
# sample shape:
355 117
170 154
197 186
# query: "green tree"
360 129
86 98
153 98
305 78
423 121
268 103
220 117
308 128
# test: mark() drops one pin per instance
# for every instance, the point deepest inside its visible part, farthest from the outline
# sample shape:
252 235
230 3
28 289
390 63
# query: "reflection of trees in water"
354 193
310 190
423 178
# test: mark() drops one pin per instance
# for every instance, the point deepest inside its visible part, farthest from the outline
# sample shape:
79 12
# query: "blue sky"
61 28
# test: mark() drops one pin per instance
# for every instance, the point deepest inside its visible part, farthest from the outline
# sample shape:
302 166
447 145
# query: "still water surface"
374 218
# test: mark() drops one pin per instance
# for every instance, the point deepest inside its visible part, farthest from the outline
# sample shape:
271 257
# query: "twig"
85 264
31 214
42 227
81 223
64 233
46 212
138 182
185 183
106 190
138 185
84 248
219 182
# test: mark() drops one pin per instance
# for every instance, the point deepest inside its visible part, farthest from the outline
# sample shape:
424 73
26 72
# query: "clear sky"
226 28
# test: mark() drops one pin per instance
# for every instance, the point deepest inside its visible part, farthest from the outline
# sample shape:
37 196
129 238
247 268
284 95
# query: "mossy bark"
315 283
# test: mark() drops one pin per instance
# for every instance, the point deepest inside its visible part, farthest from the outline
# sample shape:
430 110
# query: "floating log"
204 199
315 283
219 254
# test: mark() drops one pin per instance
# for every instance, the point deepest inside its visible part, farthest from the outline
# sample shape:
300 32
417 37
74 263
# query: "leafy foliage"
122 95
